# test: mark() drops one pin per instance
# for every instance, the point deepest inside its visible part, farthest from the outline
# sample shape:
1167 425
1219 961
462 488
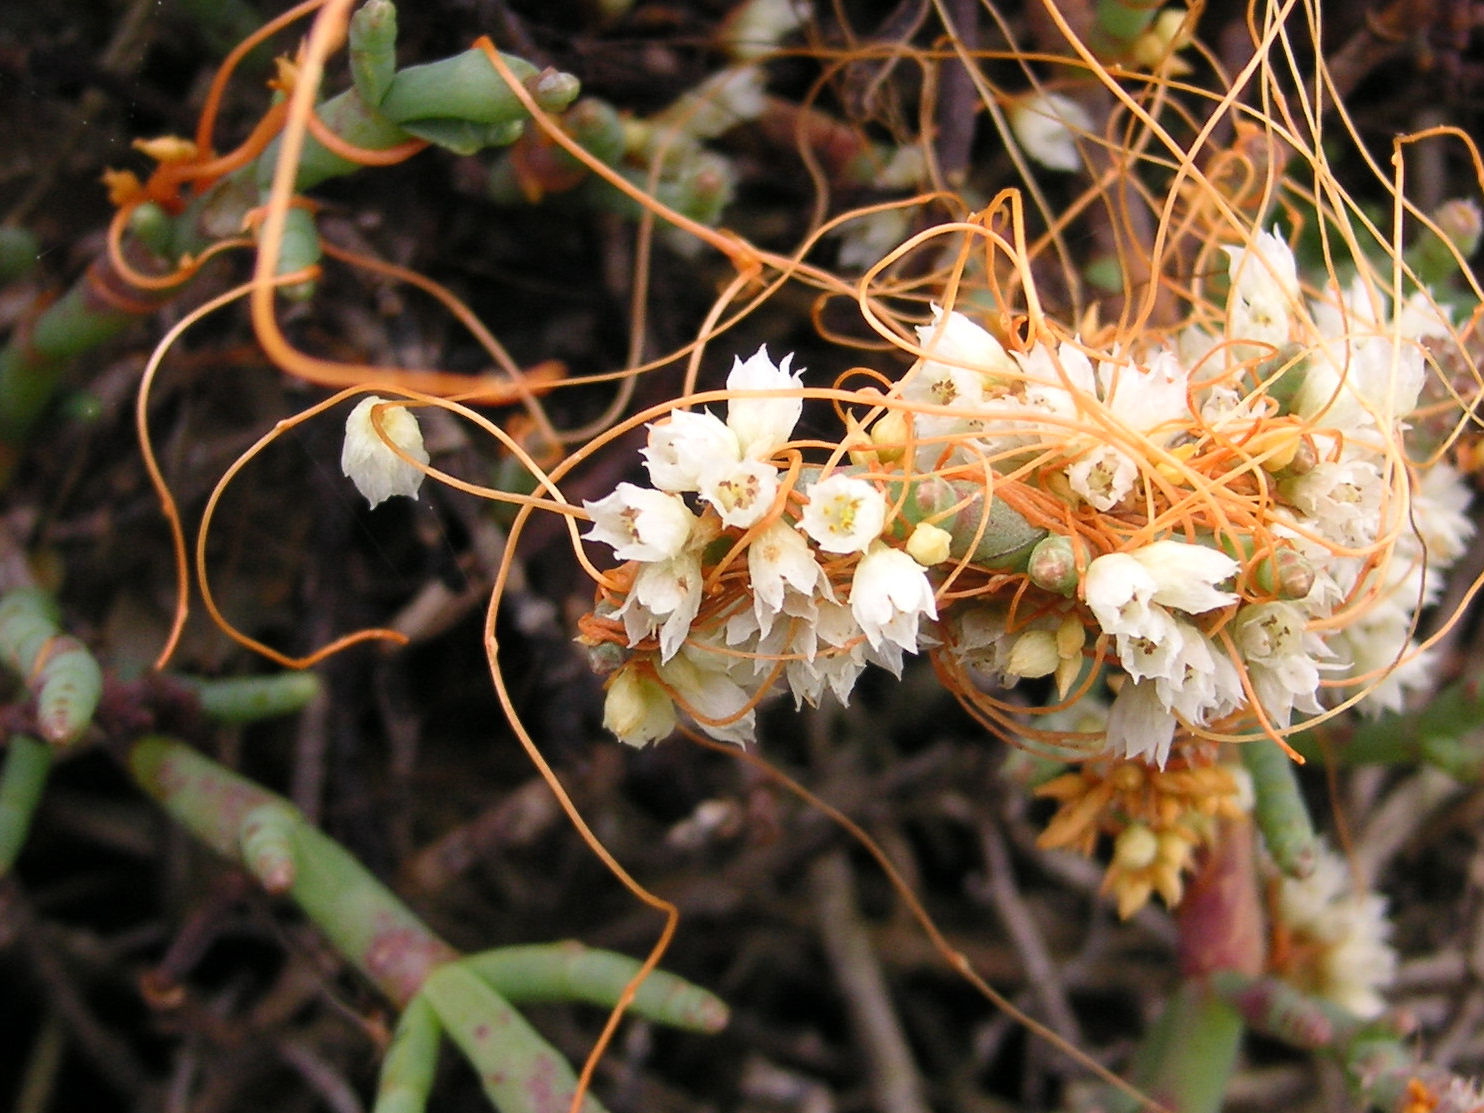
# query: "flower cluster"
1330 940
1220 527
747 570
1253 539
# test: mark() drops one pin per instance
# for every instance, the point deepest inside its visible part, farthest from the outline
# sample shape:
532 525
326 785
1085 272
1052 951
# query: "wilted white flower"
755 27
1046 125
718 104
702 682
844 514
368 461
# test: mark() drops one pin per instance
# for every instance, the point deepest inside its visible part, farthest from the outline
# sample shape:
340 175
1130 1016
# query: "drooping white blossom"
369 462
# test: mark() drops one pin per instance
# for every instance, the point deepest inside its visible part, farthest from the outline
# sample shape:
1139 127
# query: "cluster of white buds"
747 571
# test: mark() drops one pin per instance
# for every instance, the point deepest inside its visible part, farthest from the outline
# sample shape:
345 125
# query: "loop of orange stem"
209 600
156 477
324 35
365 156
207 122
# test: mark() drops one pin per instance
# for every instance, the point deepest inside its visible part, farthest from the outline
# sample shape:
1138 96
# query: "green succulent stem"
28 762
467 998
1279 808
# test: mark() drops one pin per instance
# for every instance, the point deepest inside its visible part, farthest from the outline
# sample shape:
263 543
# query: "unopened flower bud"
1135 848
929 544
1053 565
1034 654
1277 445
368 460
637 709
1284 572
1461 221
1164 36
889 435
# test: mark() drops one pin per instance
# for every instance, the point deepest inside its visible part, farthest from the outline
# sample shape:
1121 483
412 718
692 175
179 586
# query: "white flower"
844 514
955 343
742 491
640 523
701 681
1045 123
1204 684
1284 674
725 462
1342 498
681 447
762 425
1103 477
889 595
1119 589
1264 292
1150 400
377 471
665 599
780 563
1139 724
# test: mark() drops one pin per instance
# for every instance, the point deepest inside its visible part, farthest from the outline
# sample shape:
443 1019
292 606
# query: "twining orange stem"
324 36
366 156
207 123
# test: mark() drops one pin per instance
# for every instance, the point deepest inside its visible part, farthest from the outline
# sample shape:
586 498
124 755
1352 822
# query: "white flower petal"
1185 575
